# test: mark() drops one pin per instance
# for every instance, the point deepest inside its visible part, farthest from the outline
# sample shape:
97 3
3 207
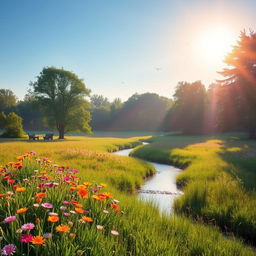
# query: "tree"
7 99
99 101
61 95
241 80
188 112
12 124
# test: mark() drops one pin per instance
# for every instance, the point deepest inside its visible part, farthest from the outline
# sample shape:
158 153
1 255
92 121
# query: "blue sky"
118 47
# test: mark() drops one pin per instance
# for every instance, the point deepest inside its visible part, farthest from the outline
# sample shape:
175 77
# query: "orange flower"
62 228
87 184
40 195
80 187
103 185
22 189
86 219
72 235
95 197
22 210
83 193
72 188
79 210
43 172
19 158
107 194
38 240
53 218
1 195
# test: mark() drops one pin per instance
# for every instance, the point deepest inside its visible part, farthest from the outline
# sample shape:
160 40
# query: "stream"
160 188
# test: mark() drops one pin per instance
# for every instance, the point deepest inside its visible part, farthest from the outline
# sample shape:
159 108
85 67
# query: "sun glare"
215 43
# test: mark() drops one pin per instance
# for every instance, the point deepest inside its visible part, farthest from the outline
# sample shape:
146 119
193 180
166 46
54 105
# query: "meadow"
218 180
81 200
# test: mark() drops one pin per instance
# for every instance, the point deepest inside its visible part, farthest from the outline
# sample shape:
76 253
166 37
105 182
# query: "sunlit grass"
142 231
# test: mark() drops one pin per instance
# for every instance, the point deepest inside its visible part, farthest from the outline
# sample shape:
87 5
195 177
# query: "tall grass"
213 180
142 231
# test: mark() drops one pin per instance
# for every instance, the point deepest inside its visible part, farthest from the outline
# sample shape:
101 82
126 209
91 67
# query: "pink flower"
9 219
26 238
114 233
53 214
27 226
9 249
66 214
66 202
47 205
66 179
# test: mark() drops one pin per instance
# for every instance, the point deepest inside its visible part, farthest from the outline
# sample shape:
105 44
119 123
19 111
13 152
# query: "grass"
218 180
142 231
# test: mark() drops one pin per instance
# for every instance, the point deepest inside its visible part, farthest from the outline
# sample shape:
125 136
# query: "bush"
12 124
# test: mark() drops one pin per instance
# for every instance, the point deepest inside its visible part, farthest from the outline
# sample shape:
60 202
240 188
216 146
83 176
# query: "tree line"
60 100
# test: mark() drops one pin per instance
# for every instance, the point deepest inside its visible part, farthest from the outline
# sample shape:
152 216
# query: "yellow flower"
86 219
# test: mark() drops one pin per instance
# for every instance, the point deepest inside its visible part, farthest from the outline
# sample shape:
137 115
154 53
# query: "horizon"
120 49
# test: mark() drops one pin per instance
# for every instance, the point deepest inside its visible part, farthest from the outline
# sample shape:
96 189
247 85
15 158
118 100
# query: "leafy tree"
241 80
61 95
12 124
188 112
7 99
99 101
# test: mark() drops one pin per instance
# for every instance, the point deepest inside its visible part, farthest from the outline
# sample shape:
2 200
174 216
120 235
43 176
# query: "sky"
119 47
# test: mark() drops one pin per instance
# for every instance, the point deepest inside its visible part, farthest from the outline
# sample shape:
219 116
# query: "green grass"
142 231
218 180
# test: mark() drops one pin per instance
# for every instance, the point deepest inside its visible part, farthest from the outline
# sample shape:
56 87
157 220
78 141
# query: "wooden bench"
33 137
48 136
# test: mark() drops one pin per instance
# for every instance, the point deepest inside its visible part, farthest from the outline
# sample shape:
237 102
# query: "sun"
215 43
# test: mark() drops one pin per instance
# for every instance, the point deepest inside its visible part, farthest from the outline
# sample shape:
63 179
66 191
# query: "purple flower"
9 219
63 208
26 238
48 184
9 249
47 205
95 190
27 226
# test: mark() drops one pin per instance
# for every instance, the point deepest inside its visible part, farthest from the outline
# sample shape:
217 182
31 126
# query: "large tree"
61 95
241 80
188 112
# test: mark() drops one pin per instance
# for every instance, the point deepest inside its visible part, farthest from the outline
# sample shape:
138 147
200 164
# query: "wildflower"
99 227
40 195
105 211
62 228
9 219
63 208
19 230
70 223
83 193
86 219
114 233
65 202
66 214
72 235
11 181
22 189
22 210
28 226
10 193
26 238
47 235
116 207
38 240
47 205
73 212
20 158
53 218
37 220
36 205
79 210
9 249
53 213
103 185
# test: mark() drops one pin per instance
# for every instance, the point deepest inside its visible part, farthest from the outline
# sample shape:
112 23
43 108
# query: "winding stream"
160 188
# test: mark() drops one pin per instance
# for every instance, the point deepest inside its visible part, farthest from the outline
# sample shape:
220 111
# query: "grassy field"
219 179
141 230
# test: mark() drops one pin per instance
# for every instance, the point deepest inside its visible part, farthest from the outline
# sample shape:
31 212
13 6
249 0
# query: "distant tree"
241 80
12 124
99 101
188 112
61 95
7 99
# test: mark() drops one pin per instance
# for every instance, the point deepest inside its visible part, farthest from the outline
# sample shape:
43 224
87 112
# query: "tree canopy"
7 99
61 95
240 78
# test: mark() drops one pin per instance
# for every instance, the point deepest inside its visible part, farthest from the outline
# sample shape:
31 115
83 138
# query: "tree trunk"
61 132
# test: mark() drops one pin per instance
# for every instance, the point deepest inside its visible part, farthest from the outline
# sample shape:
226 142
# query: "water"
160 188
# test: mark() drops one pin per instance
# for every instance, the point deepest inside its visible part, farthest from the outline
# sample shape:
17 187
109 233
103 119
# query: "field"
218 180
129 227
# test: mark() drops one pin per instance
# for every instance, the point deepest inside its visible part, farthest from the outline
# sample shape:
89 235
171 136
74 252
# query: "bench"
33 137
48 136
